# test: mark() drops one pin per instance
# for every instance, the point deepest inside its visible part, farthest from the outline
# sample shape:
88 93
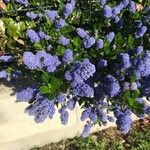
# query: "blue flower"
68 56
81 71
110 36
52 14
100 44
93 116
81 32
88 41
68 9
138 23
41 60
73 3
86 130
86 113
26 94
64 116
102 63
29 60
116 19
126 86
82 90
102 115
42 35
41 109
107 11
124 123
31 15
138 50
60 24
40 56
6 59
24 2
64 41
51 63
115 11
141 65
103 2
3 74
125 3
111 119
132 6
71 104
140 32
61 98
111 86
33 36
124 59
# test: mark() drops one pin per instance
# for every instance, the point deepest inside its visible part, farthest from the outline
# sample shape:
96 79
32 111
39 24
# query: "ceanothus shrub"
98 59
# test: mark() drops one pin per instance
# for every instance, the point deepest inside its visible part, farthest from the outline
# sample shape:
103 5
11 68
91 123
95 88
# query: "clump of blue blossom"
49 62
52 14
31 15
34 37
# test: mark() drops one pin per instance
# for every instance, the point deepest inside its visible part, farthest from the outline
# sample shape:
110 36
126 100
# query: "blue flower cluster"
3 74
69 7
89 41
41 60
141 65
31 15
123 121
68 56
52 14
26 94
64 41
24 2
41 109
36 37
78 76
6 59
80 72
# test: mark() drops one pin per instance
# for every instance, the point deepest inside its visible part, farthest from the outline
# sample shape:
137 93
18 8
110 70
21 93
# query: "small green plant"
109 139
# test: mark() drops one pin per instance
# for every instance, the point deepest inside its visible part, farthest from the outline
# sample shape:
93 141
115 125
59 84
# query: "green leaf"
48 21
55 82
126 95
77 42
44 89
135 93
119 39
45 78
38 46
135 105
12 29
22 26
60 50
130 41
131 102
133 78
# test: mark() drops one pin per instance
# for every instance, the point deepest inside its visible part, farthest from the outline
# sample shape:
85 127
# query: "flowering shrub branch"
99 59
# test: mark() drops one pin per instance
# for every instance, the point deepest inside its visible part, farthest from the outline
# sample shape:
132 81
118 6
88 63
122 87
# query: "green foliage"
106 140
52 86
44 89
